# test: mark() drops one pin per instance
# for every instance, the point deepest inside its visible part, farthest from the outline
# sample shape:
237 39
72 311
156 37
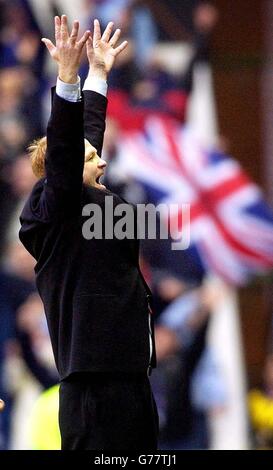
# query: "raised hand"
101 51
68 49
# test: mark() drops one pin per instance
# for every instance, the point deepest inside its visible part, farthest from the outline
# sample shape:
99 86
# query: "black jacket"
95 298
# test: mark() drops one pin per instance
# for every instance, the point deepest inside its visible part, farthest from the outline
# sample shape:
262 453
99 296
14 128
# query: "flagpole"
229 429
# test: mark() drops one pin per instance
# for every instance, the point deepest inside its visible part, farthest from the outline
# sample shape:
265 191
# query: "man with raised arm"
95 298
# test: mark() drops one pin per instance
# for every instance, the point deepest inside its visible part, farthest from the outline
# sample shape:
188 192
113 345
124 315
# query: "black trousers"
108 412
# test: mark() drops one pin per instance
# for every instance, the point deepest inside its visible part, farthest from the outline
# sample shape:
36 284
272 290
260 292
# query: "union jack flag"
231 225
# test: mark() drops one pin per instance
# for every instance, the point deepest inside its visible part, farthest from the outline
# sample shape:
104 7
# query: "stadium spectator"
187 383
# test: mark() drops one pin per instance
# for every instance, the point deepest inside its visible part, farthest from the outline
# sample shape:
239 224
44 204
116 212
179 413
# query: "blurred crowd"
188 384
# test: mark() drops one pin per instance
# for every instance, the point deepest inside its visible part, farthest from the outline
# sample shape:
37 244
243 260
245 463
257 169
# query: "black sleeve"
64 161
95 106
65 145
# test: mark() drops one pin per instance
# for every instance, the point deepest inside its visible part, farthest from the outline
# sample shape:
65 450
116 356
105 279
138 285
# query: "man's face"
93 167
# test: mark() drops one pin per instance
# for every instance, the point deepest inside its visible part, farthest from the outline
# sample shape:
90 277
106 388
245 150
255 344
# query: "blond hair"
37 152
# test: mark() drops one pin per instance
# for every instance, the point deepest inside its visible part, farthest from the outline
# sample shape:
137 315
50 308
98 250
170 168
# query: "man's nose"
102 164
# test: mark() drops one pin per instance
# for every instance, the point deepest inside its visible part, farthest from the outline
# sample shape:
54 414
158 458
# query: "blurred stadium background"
207 66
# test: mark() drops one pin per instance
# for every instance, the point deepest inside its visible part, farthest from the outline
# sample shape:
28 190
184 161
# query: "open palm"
101 51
